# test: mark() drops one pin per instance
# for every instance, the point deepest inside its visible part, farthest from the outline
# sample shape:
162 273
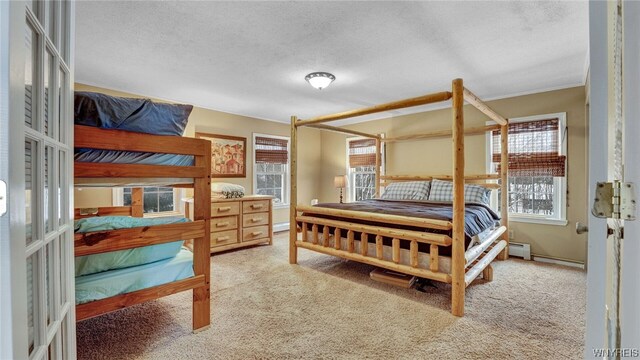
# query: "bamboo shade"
533 149
271 150
362 152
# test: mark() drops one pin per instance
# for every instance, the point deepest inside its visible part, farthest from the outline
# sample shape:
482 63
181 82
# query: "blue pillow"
407 190
443 191
138 115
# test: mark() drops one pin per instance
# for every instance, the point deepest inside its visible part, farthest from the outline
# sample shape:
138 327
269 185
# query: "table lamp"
340 182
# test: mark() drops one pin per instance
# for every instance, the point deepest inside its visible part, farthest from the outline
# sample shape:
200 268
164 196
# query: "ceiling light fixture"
320 80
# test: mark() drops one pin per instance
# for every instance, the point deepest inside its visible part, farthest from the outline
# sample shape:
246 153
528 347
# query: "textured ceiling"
250 58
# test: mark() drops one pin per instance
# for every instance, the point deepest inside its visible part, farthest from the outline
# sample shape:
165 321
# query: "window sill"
163 214
280 206
536 220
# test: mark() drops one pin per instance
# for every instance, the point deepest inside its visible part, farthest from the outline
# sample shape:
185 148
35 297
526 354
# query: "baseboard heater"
520 250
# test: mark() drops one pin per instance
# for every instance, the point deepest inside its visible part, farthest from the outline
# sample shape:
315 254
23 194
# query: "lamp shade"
320 80
340 181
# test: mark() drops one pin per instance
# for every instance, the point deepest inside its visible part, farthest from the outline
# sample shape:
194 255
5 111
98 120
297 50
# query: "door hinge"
615 200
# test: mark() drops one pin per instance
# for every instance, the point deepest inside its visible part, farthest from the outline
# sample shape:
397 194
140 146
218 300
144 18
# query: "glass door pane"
62 104
31 182
62 194
32 283
49 176
48 94
30 96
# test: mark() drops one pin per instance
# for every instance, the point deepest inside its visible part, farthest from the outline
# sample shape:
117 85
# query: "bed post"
504 200
457 252
293 202
378 165
137 202
201 255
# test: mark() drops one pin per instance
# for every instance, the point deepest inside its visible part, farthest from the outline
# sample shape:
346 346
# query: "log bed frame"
105 241
463 270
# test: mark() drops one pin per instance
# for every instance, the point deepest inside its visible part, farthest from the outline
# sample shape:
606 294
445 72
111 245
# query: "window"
271 167
537 174
155 199
361 168
160 201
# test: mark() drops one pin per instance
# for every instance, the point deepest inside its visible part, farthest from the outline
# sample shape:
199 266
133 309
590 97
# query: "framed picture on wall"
228 155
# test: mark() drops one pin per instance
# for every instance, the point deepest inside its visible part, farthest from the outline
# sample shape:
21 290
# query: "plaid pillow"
443 191
407 190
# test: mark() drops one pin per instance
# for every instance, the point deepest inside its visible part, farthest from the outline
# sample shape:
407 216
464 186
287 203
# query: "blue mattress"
131 157
90 264
115 282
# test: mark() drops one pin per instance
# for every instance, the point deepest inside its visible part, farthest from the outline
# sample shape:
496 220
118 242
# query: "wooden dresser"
237 223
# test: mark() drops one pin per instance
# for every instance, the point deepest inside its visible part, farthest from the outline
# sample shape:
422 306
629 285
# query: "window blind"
271 150
533 149
362 152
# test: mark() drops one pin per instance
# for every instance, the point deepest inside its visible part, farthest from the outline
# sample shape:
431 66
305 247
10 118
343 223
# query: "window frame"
117 195
286 182
350 189
559 183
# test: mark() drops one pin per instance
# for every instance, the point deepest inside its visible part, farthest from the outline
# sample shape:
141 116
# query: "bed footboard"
327 235
337 236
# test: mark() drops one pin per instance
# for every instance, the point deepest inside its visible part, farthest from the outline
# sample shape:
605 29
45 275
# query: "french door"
37 298
613 288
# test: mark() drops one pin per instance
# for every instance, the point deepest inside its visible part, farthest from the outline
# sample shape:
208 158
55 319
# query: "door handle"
581 228
3 198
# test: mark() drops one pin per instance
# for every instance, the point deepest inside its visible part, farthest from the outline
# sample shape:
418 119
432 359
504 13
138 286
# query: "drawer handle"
256 233
257 206
223 209
222 224
256 219
223 238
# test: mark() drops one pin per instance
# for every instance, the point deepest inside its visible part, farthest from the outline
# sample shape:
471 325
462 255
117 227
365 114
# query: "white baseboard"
281 227
558 262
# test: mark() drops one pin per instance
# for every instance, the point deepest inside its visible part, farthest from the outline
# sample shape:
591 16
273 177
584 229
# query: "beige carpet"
327 308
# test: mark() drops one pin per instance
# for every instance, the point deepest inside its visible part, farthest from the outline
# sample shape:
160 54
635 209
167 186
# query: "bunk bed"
390 235
193 266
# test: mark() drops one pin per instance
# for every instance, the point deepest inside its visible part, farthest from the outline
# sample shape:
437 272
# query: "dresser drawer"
254 233
224 223
255 206
255 219
224 209
224 237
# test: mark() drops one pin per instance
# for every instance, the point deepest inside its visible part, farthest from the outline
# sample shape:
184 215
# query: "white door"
37 298
630 281
604 338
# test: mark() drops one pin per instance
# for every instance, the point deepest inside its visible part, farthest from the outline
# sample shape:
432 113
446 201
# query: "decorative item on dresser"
237 223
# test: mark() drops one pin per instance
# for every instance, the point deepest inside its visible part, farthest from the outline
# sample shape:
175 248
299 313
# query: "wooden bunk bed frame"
198 230
462 272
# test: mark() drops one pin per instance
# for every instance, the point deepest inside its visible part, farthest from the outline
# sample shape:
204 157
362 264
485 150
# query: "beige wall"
434 156
210 121
322 156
